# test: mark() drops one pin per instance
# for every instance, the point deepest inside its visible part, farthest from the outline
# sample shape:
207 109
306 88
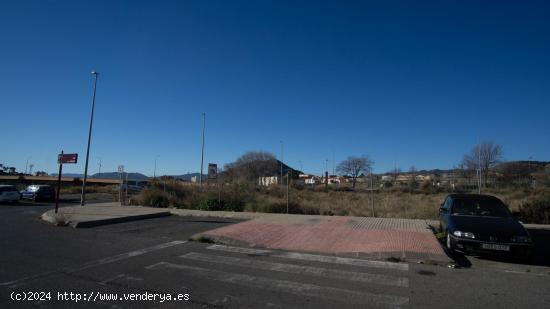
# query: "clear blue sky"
411 82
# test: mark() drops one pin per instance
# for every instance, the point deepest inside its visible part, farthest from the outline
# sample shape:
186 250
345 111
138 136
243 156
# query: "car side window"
447 204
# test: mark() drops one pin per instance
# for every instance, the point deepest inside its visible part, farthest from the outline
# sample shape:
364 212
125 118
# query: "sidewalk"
100 214
382 238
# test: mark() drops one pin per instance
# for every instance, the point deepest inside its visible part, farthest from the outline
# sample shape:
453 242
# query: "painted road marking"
72 269
302 270
314 257
291 287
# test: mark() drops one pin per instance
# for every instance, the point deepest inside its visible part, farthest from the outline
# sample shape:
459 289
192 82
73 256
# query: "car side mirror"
441 209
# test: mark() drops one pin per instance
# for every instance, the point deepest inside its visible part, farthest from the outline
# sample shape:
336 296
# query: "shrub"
153 198
159 201
212 204
537 210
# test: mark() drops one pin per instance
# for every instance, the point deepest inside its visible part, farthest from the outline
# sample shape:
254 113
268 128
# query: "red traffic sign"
67 158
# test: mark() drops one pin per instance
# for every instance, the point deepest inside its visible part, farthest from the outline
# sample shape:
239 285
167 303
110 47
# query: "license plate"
495 247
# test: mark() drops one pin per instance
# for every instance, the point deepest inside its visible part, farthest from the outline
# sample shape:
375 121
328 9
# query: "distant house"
267 181
387 178
311 181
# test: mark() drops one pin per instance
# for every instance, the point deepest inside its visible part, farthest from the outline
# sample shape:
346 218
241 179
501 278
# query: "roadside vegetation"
404 202
238 188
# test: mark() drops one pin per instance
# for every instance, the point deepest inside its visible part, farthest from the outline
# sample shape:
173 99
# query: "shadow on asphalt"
541 252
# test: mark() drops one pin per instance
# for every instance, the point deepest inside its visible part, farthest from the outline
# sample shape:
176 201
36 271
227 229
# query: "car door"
444 213
14 195
46 193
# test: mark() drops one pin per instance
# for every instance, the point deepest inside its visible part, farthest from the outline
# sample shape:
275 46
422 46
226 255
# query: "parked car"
39 193
482 224
9 193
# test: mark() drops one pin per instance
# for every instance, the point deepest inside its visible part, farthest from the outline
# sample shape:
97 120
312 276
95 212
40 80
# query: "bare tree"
395 172
354 166
250 166
484 156
413 172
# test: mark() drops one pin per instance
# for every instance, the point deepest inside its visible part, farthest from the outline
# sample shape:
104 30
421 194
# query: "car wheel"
448 243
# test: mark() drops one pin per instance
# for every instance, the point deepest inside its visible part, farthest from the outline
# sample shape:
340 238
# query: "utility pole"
333 165
155 170
282 158
287 191
83 196
126 191
479 169
58 183
99 172
202 151
530 176
326 175
371 193
27 165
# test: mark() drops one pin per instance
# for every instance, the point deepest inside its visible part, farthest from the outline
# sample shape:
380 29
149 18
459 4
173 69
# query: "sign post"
120 171
212 171
69 158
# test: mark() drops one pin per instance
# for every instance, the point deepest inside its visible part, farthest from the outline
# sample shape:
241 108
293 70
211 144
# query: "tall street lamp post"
83 195
282 158
202 149
155 170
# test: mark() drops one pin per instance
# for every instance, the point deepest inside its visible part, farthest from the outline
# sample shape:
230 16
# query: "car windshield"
479 207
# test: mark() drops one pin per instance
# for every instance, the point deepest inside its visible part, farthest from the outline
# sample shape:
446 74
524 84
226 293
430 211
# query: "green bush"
212 204
537 210
151 198
159 201
280 207
227 202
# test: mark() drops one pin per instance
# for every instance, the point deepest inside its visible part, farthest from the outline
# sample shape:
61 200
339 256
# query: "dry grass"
65 189
390 203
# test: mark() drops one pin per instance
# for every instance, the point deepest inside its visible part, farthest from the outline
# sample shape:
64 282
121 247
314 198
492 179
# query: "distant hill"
69 175
115 175
188 176
534 164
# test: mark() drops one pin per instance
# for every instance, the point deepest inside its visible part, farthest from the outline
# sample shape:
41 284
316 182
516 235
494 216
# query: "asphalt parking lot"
154 256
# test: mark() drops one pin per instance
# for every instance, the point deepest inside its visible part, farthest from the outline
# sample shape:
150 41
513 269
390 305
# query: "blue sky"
405 82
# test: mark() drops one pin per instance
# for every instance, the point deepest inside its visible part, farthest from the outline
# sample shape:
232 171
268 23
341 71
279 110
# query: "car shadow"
540 257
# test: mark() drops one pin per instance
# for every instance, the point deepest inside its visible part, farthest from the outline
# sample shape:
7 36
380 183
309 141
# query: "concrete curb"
61 219
80 224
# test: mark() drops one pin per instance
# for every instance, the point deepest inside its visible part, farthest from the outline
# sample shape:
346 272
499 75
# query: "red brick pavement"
331 235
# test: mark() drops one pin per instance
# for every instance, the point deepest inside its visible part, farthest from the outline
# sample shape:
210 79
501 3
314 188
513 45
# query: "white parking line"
291 287
90 264
303 270
314 257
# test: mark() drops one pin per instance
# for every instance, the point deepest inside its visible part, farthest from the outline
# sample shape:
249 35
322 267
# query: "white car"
9 193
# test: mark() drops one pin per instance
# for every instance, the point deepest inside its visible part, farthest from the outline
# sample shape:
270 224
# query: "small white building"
267 181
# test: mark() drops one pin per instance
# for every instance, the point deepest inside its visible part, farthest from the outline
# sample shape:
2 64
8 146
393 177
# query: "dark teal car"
39 193
482 224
